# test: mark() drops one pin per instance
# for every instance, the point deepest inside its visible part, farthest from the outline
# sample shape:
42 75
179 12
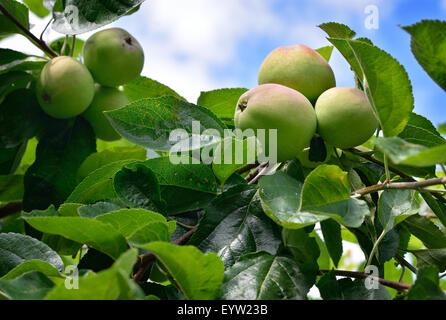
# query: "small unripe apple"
114 57
298 67
105 99
65 88
345 117
273 106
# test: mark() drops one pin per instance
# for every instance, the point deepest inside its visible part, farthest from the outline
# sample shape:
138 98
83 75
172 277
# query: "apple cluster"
67 88
297 96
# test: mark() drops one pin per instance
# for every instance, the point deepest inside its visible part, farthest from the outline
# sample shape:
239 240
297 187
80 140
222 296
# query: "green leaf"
7 56
426 286
11 188
395 206
138 187
198 276
88 14
17 248
421 131
442 128
143 87
324 185
222 102
127 221
331 231
139 226
347 289
400 151
384 79
99 208
30 266
234 224
324 260
21 117
435 257
12 81
98 185
30 286
60 152
183 187
100 159
281 198
426 231
91 232
428 46
350 213
304 248
29 156
337 30
232 155
10 157
28 65
261 276
109 284
37 7
326 52
156 231
19 11
393 272
149 123
437 206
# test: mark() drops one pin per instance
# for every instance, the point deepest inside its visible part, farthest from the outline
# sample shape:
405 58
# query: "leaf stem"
64 46
375 249
73 45
248 168
262 172
10 209
39 43
416 185
403 271
46 27
405 263
361 275
394 170
181 224
255 172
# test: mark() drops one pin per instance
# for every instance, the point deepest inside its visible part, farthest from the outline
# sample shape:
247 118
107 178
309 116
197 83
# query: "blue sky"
200 45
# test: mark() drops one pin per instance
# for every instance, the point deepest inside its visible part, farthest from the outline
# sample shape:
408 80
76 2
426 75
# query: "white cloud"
443 4
185 41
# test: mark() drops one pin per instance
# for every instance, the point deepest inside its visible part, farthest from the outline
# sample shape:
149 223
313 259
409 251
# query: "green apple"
65 88
345 117
114 57
105 99
273 106
298 67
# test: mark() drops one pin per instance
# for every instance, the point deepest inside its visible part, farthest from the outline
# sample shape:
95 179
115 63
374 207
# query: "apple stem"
64 46
73 45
